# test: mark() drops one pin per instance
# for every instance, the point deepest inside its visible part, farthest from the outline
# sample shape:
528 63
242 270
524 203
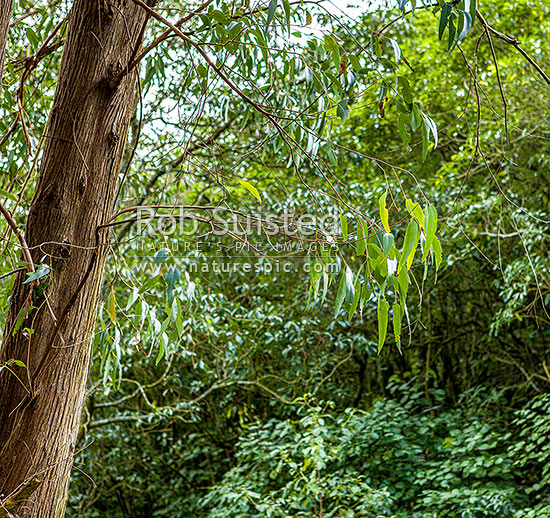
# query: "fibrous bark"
5 15
40 405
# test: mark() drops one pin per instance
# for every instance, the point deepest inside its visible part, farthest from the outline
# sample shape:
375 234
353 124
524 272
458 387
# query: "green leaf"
350 290
383 307
361 242
19 320
405 89
410 258
286 7
33 37
336 57
443 19
387 243
411 238
471 8
396 50
342 110
219 17
432 128
425 141
325 287
384 214
251 189
133 297
330 153
396 319
415 211
341 295
8 195
344 225
415 119
356 296
374 255
271 11
40 272
436 247
402 127
162 348
431 226
403 280
452 31
355 62
161 256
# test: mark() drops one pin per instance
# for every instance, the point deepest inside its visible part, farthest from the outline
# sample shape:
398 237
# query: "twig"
17 270
515 43
400 17
20 236
166 34
499 80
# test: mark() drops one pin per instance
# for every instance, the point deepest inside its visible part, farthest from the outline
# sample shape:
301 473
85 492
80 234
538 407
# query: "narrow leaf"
384 214
251 189
396 50
415 210
425 141
356 297
436 247
361 245
445 10
342 110
350 290
396 318
410 258
387 243
40 272
431 225
383 307
341 295
8 195
344 226
403 281
271 11
411 237
432 128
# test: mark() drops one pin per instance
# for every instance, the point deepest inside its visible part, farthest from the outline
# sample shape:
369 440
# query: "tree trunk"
5 15
40 405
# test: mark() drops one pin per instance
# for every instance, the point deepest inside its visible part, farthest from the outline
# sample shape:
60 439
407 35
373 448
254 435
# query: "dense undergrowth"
408 455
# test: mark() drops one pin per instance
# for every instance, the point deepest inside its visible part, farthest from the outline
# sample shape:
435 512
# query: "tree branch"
20 236
515 43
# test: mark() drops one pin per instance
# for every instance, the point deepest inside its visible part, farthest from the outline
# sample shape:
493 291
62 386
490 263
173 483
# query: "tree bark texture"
5 15
40 405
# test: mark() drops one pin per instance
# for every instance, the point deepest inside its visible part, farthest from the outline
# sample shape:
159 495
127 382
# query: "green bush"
408 456
401 458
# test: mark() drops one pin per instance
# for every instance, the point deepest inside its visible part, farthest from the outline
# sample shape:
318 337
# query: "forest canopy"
274 258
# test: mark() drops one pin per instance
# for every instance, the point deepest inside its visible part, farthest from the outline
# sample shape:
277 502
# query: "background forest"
246 394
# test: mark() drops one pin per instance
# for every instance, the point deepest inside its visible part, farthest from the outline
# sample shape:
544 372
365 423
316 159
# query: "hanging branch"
20 236
515 43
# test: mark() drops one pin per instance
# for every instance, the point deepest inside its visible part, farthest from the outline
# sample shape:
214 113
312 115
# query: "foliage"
389 461
207 387
406 456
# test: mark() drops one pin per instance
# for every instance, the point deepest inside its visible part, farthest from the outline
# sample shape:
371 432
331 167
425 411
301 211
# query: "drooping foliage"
421 145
